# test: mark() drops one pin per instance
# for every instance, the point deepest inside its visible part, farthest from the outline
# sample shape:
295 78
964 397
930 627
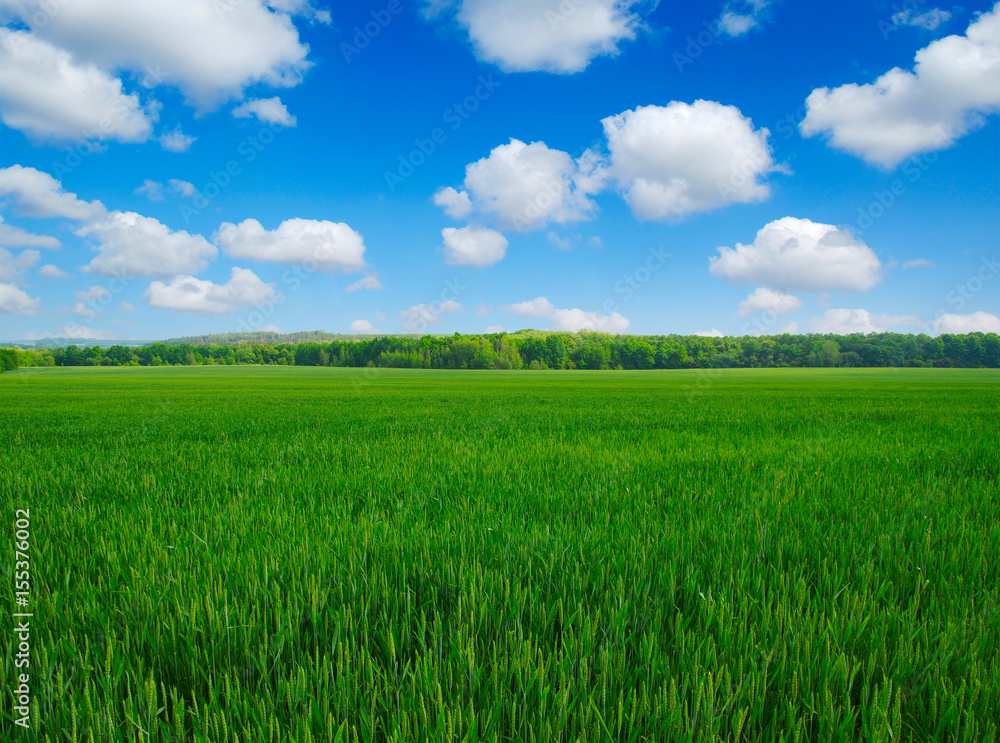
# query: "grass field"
263 554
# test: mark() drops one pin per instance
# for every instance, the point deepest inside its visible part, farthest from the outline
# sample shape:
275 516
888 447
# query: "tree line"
547 350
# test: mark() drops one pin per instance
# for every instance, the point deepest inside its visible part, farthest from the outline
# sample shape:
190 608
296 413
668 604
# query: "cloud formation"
799 254
328 246
954 84
673 161
188 294
557 36
473 246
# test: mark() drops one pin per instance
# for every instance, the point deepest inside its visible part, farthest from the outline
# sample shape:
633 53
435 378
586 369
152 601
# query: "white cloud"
370 283
763 299
182 188
14 301
713 333
575 320
540 307
981 322
954 84
126 307
846 321
188 294
495 329
918 263
330 246
15 237
210 50
798 254
363 326
929 20
175 140
525 186
419 316
739 18
79 332
267 110
561 243
473 246
52 272
456 204
559 36
87 304
12 267
571 320
51 96
152 190
672 161
38 194
94 292
131 245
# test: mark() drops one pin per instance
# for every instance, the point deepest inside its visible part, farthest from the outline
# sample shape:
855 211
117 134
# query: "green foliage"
277 554
535 349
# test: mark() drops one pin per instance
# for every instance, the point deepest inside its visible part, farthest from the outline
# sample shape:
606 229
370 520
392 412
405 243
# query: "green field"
263 554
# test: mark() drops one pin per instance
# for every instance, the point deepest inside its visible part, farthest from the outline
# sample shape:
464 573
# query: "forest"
532 349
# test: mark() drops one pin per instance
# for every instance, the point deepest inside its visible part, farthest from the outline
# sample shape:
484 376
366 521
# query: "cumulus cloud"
672 161
575 320
739 18
129 244
525 186
48 95
713 333
763 299
330 246
151 189
929 19
416 318
363 326
977 322
15 237
495 329
918 263
846 321
473 246
954 84
799 254
188 294
37 194
52 272
210 51
456 204
14 301
182 188
79 332
267 110
558 36
571 320
540 307
176 141
90 303
370 283
12 267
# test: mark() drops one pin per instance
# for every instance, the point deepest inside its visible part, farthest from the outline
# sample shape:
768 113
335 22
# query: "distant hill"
64 342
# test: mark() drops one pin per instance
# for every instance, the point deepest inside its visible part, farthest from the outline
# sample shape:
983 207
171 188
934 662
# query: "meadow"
265 554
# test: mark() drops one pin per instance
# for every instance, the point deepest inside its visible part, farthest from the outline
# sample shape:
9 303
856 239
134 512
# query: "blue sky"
196 166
